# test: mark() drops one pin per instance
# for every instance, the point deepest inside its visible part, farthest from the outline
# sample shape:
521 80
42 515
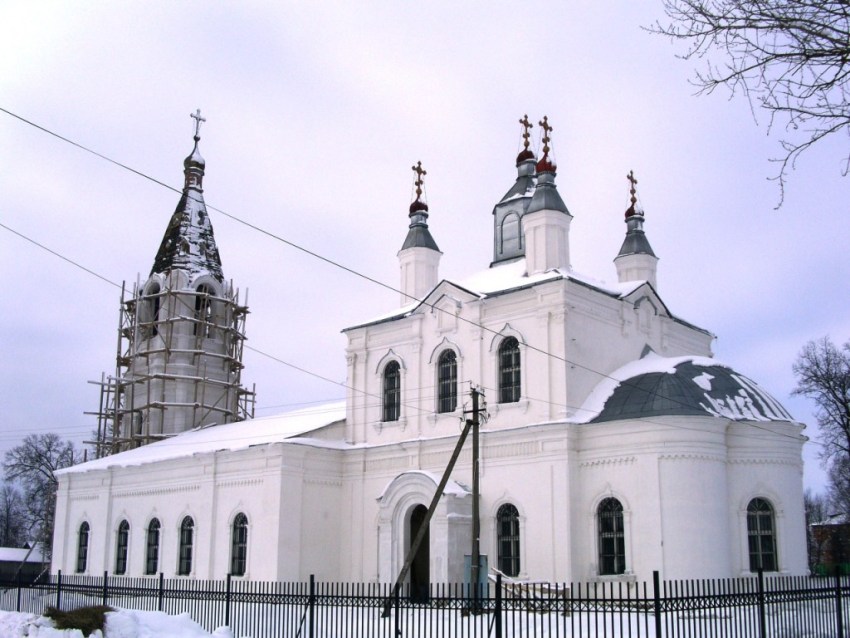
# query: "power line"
379 399
312 254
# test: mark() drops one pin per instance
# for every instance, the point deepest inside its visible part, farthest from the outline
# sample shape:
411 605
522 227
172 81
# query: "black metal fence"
758 606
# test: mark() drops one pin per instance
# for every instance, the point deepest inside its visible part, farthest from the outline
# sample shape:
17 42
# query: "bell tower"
181 333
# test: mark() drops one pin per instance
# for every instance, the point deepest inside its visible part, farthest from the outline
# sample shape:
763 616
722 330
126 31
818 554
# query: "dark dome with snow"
691 388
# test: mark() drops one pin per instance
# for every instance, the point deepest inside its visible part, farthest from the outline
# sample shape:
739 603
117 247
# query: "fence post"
312 605
839 614
19 590
161 595
656 595
761 602
499 605
105 587
398 611
59 589
227 602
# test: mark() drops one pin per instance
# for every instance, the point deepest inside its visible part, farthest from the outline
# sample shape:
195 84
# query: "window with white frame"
507 533
152 547
761 535
447 381
611 537
509 371
122 543
187 534
239 545
83 547
392 392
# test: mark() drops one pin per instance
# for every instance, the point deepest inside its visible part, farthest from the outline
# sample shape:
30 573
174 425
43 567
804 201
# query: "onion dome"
525 162
635 241
419 236
546 196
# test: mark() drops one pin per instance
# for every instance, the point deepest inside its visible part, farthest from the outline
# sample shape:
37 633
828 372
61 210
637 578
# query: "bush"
86 619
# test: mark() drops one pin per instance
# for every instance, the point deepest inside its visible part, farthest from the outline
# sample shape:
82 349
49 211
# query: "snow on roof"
231 436
16 555
508 276
452 487
718 391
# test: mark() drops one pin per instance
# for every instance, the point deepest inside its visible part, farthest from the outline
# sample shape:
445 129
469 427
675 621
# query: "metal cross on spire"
544 124
420 172
631 178
198 119
526 126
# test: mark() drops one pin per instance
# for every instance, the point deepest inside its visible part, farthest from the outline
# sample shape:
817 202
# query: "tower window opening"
204 311
151 307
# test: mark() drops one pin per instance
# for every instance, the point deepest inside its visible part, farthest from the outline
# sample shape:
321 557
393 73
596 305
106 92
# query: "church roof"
188 243
511 276
698 386
216 438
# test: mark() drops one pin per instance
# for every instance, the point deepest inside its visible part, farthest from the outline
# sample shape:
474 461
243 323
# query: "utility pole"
476 518
470 424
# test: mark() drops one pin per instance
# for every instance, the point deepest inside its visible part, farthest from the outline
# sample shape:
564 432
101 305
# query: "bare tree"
32 464
13 528
789 57
823 375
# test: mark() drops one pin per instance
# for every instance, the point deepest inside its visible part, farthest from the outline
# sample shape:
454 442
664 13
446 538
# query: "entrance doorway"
420 577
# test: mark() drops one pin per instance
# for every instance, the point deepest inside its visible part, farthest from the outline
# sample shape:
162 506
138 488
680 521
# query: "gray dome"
691 389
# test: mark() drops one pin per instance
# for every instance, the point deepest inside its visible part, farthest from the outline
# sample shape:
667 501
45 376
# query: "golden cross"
526 126
198 119
419 173
544 124
631 178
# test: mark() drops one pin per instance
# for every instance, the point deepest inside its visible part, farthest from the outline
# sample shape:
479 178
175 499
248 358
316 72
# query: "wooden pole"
476 519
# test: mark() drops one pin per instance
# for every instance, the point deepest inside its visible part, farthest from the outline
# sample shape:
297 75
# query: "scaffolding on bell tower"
178 366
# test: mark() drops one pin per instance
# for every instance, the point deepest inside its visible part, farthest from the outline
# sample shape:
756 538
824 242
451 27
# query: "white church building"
614 444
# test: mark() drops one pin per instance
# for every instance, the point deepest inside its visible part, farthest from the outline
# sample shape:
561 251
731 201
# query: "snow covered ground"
119 624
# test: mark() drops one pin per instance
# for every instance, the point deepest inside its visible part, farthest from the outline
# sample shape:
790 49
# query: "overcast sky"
315 114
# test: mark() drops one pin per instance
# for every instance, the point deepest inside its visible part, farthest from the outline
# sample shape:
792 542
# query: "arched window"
761 535
509 371
152 301
187 530
239 545
204 311
447 381
507 531
612 539
152 548
511 234
392 391
82 548
122 543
